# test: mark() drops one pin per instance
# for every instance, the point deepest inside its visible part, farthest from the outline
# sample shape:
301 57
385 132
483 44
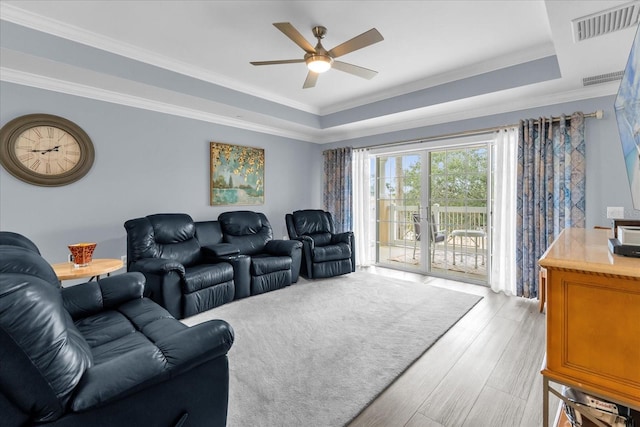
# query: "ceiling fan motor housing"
319 32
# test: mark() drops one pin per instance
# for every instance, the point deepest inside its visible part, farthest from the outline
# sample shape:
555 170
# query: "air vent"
602 78
607 21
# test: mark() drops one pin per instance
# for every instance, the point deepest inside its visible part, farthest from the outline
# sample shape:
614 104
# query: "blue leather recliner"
325 253
181 277
273 263
100 354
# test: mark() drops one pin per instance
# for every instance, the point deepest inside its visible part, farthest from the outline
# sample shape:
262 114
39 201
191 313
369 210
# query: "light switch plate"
616 212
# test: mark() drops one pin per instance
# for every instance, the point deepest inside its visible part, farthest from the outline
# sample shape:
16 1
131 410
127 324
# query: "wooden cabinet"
593 318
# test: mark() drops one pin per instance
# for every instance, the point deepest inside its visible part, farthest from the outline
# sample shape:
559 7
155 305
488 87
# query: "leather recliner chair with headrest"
100 354
325 253
273 264
180 276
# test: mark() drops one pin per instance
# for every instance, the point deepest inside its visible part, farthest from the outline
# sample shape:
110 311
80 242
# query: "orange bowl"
82 253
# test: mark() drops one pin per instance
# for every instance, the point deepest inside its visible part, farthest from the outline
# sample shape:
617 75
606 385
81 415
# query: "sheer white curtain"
361 205
503 268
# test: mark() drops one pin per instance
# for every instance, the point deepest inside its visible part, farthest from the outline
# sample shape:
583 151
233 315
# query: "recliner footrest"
271 264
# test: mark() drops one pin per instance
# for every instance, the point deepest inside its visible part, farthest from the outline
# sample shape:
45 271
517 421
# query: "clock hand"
46 151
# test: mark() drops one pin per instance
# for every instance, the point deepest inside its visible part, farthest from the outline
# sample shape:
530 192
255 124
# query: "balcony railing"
401 227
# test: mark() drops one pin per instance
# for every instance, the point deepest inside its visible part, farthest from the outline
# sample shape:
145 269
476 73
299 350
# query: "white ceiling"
426 44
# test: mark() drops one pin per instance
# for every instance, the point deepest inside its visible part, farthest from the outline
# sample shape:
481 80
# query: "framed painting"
237 175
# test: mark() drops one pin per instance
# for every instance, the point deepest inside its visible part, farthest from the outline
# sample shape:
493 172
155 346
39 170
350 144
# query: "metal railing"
446 218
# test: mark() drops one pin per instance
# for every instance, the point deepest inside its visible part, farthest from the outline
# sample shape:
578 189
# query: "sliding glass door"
432 209
398 199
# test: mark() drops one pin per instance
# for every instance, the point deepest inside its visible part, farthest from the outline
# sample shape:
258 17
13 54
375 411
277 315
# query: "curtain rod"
598 114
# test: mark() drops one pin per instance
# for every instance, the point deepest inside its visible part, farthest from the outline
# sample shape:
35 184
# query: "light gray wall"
145 163
607 183
148 162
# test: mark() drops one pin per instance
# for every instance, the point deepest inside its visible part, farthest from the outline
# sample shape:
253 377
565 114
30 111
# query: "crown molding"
86 91
380 125
54 27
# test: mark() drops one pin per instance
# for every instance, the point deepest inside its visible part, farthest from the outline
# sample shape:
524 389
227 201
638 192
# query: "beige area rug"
318 352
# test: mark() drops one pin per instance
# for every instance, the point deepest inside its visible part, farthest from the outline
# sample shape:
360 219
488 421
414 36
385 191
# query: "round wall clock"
46 150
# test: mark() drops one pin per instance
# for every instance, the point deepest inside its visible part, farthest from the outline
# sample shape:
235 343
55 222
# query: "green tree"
458 178
220 182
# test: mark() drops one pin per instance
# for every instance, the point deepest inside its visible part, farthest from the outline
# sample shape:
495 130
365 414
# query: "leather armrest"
137 369
219 250
196 344
157 266
282 247
92 297
307 240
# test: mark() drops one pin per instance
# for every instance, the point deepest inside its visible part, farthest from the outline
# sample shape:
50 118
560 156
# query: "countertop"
587 250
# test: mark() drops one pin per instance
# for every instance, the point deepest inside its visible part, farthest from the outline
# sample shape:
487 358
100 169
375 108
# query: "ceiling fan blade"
290 31
311 80
283 61
365 73
358 42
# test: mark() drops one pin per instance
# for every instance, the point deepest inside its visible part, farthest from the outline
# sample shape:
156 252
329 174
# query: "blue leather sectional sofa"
191 266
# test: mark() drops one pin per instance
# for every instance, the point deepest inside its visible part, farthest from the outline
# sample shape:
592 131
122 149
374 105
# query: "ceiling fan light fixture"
319 63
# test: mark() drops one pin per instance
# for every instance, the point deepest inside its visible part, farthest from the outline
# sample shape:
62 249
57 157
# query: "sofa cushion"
331 252
248 231
311 221
170 236
119 347
104 327
151 319
172 228
135 325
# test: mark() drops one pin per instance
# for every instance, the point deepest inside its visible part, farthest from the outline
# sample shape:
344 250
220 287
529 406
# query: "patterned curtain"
550 190
338 191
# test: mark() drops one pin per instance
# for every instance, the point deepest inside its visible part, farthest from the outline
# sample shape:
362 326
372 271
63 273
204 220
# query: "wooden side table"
98 266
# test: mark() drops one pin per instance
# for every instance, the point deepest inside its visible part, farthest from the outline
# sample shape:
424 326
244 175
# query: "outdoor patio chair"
436 235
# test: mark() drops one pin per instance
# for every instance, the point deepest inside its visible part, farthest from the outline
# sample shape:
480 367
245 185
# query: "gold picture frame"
237 175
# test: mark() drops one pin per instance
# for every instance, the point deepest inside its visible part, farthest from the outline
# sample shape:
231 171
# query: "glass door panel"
398 198
458 199
432 211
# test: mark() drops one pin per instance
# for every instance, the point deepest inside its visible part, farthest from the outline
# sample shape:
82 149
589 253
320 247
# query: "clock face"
47 150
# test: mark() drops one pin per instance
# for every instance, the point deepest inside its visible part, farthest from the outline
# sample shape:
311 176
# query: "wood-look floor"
485 371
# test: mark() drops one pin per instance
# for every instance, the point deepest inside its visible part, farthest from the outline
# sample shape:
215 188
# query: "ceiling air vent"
602 78
607 21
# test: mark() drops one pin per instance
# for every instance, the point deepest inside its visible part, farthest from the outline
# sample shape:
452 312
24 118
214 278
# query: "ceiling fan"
319 60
